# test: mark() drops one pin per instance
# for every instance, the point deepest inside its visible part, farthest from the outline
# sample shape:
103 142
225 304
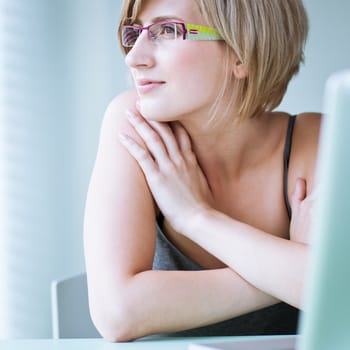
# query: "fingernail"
130 114
123 138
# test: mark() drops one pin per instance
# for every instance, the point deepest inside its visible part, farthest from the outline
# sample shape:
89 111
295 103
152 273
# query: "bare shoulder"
115 115
115 122
305 148
123 101
306 134
308 124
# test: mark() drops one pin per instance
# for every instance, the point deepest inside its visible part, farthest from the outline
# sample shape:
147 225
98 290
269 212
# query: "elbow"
115 335
113 332
115 324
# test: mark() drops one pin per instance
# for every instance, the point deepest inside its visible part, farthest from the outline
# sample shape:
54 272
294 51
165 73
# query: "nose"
141 54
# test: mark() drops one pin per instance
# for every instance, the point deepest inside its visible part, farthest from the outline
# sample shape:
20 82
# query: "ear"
239 69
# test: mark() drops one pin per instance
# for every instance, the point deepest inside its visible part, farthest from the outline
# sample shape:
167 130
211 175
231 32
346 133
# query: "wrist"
197 220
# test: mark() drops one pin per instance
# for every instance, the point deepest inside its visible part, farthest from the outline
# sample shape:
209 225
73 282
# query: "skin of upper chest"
255 199
257 196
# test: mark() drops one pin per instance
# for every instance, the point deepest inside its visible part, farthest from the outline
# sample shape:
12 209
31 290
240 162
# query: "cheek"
203 69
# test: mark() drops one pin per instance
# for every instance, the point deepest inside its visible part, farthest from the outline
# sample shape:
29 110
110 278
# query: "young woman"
198 210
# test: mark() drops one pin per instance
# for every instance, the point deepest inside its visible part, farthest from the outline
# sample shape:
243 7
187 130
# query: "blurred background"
60 65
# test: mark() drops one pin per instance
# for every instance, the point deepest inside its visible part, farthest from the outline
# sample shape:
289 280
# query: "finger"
151 138
141 155
138 106
182 137
169 139
185 145
299 193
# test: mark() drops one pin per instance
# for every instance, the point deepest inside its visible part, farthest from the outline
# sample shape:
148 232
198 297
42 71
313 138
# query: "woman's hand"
302 213
171 169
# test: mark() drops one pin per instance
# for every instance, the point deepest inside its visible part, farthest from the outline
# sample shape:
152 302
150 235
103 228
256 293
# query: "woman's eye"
168 29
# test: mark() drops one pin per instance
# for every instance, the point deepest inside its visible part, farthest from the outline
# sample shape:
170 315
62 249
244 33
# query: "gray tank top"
277 319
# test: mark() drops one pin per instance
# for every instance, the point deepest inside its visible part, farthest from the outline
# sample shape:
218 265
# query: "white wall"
59 68
327 50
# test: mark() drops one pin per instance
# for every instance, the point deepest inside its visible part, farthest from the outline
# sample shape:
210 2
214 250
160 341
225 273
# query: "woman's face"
175 79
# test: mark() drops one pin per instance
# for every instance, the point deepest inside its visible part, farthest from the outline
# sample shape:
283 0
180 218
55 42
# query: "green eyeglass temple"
198 32
130 33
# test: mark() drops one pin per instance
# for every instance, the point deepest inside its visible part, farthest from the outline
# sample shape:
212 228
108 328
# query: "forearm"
169 301
272 264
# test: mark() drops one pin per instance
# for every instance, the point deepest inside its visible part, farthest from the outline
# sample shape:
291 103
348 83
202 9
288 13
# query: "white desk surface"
100 344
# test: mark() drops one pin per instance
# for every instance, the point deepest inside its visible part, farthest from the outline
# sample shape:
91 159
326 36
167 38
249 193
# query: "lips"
146 85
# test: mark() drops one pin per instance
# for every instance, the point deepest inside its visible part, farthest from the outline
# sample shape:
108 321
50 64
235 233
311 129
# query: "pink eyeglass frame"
190 31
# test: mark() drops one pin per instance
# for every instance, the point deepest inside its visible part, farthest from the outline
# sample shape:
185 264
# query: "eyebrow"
162 19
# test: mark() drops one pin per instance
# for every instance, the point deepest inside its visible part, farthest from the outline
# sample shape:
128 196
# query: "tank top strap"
286 157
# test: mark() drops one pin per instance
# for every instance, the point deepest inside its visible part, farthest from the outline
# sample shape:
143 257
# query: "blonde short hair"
267 36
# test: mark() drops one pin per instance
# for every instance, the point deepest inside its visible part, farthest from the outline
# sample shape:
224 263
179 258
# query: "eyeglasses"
168 31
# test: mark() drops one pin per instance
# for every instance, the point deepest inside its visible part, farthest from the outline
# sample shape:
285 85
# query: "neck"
227 150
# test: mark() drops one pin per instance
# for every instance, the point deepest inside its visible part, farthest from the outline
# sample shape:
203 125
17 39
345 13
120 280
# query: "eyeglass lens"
167 30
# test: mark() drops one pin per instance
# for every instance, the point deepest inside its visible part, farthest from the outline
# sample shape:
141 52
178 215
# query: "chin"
157 113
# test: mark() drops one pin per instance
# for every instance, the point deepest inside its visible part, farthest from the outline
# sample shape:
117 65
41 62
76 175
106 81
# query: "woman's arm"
127 299
273 265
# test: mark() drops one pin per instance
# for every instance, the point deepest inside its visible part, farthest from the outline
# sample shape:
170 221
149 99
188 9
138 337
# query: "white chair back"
70 309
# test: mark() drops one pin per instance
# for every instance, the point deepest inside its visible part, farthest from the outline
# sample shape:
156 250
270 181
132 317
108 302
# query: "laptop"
325 322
